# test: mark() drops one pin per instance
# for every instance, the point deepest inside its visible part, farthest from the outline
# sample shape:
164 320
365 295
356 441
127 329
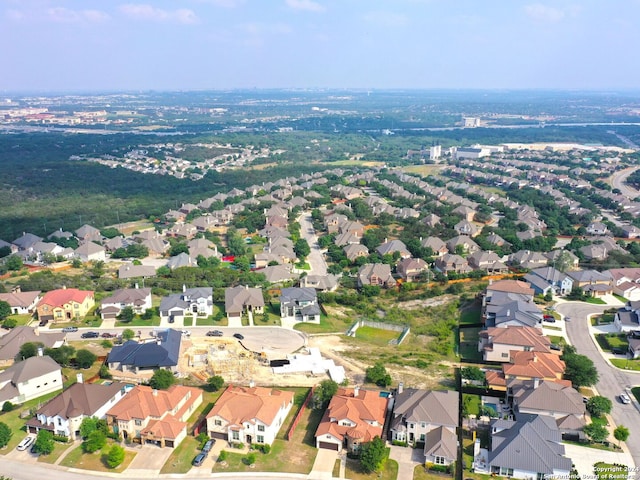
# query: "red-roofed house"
528 366
65 304
354 417
146 415
249 415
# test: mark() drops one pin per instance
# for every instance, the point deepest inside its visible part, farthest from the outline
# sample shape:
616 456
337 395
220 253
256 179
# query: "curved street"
612 381
618 180
316 258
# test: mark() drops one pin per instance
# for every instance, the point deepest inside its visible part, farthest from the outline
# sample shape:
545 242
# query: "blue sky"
94 45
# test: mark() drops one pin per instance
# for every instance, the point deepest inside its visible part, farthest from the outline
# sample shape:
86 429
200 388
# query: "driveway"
323 464
584 458
612 380
407 459
316 258
148 457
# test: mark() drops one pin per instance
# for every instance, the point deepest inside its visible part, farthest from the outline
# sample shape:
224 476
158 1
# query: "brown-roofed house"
146 415
11 342
496 343
354 416
21 303
29 379
249 415
63 414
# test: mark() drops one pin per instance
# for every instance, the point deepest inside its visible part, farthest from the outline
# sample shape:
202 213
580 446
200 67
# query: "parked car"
198 460
214 333
90 335
186 333
548 318
108 335
208 446
26 443
43 323
70 329
239 336
624 398
555 347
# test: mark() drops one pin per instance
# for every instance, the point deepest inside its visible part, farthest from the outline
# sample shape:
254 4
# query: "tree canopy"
162 379
378 375
373 454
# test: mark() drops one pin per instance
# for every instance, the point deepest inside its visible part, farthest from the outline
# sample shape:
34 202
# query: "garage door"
329 446
219 435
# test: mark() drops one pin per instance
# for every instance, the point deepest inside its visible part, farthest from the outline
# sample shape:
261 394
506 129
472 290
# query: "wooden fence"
296 420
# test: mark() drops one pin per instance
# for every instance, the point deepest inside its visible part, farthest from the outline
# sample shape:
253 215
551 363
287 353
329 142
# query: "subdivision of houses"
429 417
146 415
354 416
63 414
249 414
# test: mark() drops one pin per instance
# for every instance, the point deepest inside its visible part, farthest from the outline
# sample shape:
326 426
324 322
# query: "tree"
44 442
378 375
128 334
13 262
10 323
126 314
85 358
598 406
87 426
61 355
5 309
28 350
215 383
580 370
596 432
323 393
105 373
373 454
162 379
251 458
302 249
472 373
94 442
115 456
5 434
621 433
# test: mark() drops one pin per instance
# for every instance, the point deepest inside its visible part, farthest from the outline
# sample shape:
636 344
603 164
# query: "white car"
26 443
624 398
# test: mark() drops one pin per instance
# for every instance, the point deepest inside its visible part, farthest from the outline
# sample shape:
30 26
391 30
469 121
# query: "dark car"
108 335
214 333
239 336
208 446
70 329
90 335
548 318
198 460
43 323
553 346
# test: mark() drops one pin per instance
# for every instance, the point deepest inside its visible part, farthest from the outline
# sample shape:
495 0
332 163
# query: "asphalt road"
613 381
618 181
316 258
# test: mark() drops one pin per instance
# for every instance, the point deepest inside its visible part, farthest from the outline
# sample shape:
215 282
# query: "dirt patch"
427 302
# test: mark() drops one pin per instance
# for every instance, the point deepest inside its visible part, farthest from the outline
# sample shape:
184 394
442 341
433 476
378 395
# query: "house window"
59 421
422 437
423 425
261 428
505 355
260 438
411 425
540 476
439 460
235 435
217 423
138 422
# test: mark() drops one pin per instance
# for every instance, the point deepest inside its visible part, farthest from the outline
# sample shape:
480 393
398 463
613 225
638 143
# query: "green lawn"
140 322
595 446
609 471
557 340
58 449
22 319
76 458
469 344
595 301
376 336
636 393
626 364
621 298
603 319
328 324
609 341
470 314
389 471
472 403
467 458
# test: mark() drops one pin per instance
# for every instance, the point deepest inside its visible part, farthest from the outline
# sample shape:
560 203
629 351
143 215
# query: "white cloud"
387 19
307 5
147 12
544 13
66 15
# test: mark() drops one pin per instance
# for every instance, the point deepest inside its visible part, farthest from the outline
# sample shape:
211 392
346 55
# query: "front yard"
389 471
97 461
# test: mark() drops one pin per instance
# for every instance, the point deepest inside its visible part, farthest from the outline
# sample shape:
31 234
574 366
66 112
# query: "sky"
112 45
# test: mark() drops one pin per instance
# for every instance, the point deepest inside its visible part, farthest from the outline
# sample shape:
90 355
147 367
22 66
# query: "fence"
299 415
402 329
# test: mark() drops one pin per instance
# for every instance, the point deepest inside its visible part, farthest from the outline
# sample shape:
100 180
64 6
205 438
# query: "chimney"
536 382
400 387
40 351
79 378
64 287
155 392
184 288
252 384
356 391
137 285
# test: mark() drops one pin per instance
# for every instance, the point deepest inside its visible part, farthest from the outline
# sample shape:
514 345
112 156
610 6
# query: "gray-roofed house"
163 352
11 342
87 233
26 241
355 251
181 260
393 246
63 414
429 417
528 259
136 271
238 300
463 242
488 261
322 283
450 262
195 302
21 302
526 448
626 320
139 299
278 273
562 402
465 227
411 268
508 309
299 305
431 220
375 274
90 252
29 379
437 246
560 283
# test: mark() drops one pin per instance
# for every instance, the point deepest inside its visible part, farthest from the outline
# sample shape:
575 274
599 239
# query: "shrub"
8 406
222 456
251 458
265 449
115 456
104 373
398 443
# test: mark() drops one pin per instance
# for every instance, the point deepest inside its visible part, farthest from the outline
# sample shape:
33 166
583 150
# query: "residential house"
63 414
626 319
594 251
538 436
452 263
65 304
497 343
462 244
11 342
146 415
411 268
249 415
567 259
243 299
31 378
528 365
561 402
21 303
466 212
393 246
548 279
347 238
322 283
140 357
375 274
511 309
90 252
431 220
87 233
497 240
597 228
437 246
332 221
130 270
465 227
278 273
355 228
353 417
299 304
429 417
139 299
528 259
488 261
26 241
181 260
194 302
592 282
630 231
626 282
355 251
